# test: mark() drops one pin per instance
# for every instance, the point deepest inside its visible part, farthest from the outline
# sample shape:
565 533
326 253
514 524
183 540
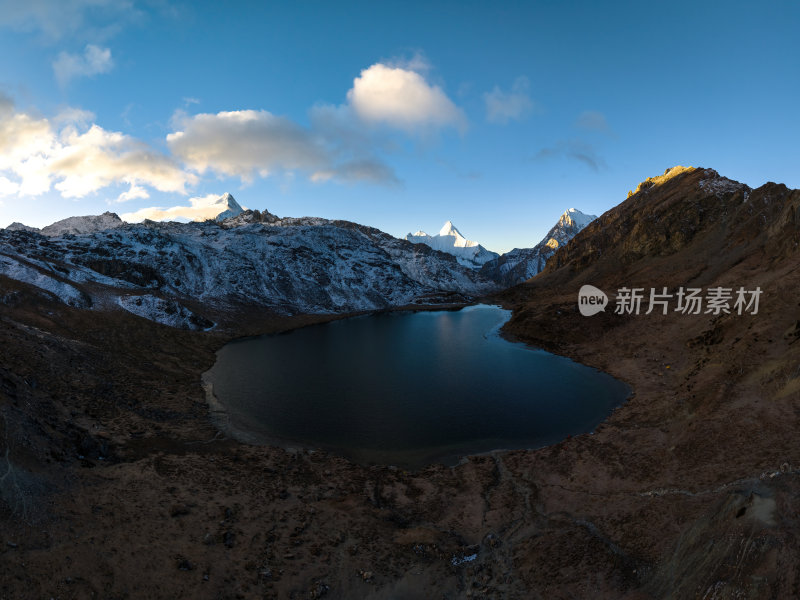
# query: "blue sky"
399 115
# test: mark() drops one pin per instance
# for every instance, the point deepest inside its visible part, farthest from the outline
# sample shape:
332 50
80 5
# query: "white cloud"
502 107
199 209
93 61
75 156
8 187
402 98
244 143
87 162
340 144
26 142
135 192
250 143
73 116
36 152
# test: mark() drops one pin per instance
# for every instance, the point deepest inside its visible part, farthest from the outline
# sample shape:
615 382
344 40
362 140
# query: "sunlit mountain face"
449 240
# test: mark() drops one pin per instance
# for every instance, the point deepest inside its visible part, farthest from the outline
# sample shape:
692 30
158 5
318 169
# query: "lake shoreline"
248 430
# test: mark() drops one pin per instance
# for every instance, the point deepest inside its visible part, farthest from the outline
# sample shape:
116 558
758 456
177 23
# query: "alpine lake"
405 389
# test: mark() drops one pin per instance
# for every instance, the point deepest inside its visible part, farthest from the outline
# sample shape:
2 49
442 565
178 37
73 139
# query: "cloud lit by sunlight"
250 143
37 154
244 143
199 209
402 98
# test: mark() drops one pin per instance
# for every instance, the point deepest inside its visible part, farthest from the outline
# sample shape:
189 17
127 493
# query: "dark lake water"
407 389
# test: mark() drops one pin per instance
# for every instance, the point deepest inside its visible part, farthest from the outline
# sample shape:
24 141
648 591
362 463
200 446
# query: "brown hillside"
698 473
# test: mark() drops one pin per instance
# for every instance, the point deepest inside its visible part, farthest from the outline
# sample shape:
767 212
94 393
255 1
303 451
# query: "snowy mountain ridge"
253 259
226 205
74 225
450 240
520 264
575 218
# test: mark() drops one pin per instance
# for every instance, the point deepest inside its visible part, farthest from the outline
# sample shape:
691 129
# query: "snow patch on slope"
81 225
719 185
16 226
15 269
166 312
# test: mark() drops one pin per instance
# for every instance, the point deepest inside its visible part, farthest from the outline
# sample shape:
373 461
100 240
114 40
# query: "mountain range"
191 274
512 267
253 258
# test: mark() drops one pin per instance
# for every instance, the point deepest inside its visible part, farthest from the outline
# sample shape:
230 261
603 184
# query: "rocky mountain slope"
288 266
694 482
449 239
74 225
523 263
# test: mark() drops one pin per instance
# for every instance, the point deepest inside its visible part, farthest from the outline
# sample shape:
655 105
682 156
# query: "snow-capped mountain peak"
573 216
568 225
450 240
229 207
449 229
523 263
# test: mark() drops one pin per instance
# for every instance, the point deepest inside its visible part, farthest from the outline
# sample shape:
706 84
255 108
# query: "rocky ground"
115 484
